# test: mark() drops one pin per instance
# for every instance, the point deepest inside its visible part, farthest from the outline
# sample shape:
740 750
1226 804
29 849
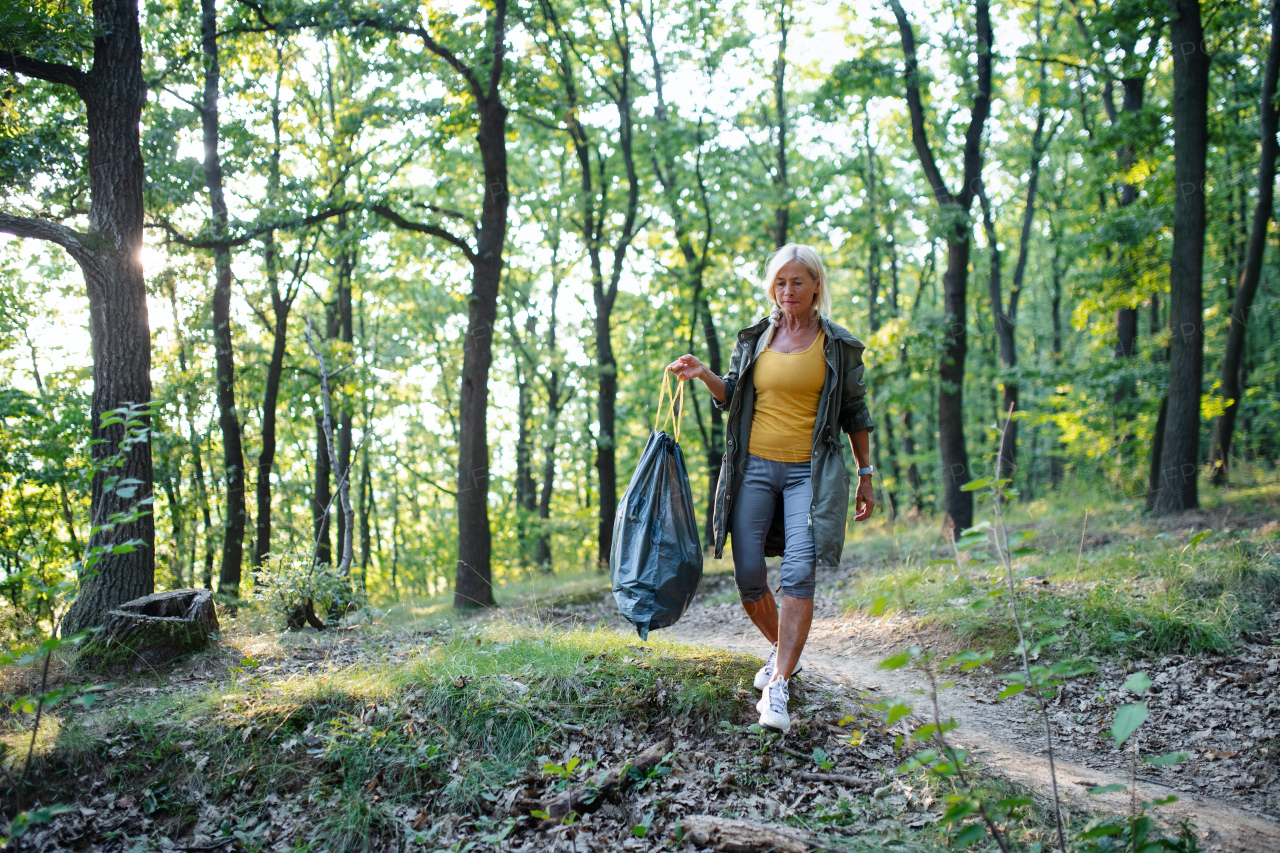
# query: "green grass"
1136 587
452 726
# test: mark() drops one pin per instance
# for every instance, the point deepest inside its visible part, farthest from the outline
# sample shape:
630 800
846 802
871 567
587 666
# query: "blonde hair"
812 263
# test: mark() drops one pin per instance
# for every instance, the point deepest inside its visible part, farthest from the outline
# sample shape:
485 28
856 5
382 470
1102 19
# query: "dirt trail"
984 729
1230 791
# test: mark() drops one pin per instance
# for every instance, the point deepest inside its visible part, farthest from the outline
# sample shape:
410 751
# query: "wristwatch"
866 472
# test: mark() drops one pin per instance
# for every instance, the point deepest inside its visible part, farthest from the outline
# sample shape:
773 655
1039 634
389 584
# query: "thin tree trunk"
955 208
224 353
1179 462
321 495
1232 375
782 209
555 403
474 586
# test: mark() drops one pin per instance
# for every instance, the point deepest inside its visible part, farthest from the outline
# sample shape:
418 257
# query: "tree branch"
181 239
53 72
42 229
919 135
425 228
432 45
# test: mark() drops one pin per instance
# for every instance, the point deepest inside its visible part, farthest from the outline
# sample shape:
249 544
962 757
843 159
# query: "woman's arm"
688 367
865 501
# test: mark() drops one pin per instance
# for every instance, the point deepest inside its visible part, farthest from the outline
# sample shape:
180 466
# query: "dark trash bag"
656 560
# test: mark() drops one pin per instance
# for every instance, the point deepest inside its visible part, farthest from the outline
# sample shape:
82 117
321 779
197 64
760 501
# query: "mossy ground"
1127 584
440 738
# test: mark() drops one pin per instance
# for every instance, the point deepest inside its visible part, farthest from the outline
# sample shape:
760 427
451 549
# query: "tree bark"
113 91
475 576
594 218
782 208
1006 317
321 493
1231 377
955 208
695 265
474 586
224 353
1179 462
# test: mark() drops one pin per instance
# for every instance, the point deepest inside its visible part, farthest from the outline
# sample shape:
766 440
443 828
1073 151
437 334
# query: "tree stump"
151 631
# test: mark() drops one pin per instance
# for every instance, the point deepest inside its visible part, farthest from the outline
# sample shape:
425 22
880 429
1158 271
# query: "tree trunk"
224 353
555 403
782 209
1232 382
474 587
365 493
321 495
594 218
955 209
270 403
475 575
343 411
114 92
526 489
1179 462
606 402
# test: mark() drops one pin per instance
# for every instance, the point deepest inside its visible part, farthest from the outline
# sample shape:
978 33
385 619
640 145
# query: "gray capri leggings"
762 485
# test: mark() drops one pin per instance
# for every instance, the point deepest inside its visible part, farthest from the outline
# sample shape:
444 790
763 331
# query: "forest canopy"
394 283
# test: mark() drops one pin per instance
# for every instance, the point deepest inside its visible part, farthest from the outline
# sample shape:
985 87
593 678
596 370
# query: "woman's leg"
798 574
793 632
752 515
764 615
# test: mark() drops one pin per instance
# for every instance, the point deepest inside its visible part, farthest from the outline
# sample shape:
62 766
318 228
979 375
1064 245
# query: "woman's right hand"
688 367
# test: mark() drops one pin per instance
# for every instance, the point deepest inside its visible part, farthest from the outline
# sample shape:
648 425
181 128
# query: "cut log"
743 836
608 785
151 631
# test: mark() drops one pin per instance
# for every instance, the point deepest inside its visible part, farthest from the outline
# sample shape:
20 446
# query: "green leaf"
1023 552
974 485
895 662
1127 720
1166 759
878 606
639 830
1011 690
1106 828
969 834
1014 802
896 712
23 821
969 540
1138 683
1199 537
958 810
981 525
1106 789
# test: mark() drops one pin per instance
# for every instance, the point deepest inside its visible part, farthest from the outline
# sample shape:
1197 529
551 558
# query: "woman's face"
795 291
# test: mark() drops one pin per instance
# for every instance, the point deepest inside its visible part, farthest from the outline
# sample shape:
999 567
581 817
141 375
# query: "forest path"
847 648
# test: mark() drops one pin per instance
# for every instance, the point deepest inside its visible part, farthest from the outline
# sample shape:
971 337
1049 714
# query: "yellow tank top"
788 385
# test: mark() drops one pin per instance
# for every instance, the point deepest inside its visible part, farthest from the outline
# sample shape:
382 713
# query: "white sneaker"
773 706
765 673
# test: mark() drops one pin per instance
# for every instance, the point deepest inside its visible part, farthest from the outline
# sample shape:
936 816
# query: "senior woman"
794 383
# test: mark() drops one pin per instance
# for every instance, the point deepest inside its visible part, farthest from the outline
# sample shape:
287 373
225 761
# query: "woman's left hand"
865 500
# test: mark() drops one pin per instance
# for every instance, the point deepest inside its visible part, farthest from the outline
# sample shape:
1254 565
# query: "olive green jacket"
841 408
